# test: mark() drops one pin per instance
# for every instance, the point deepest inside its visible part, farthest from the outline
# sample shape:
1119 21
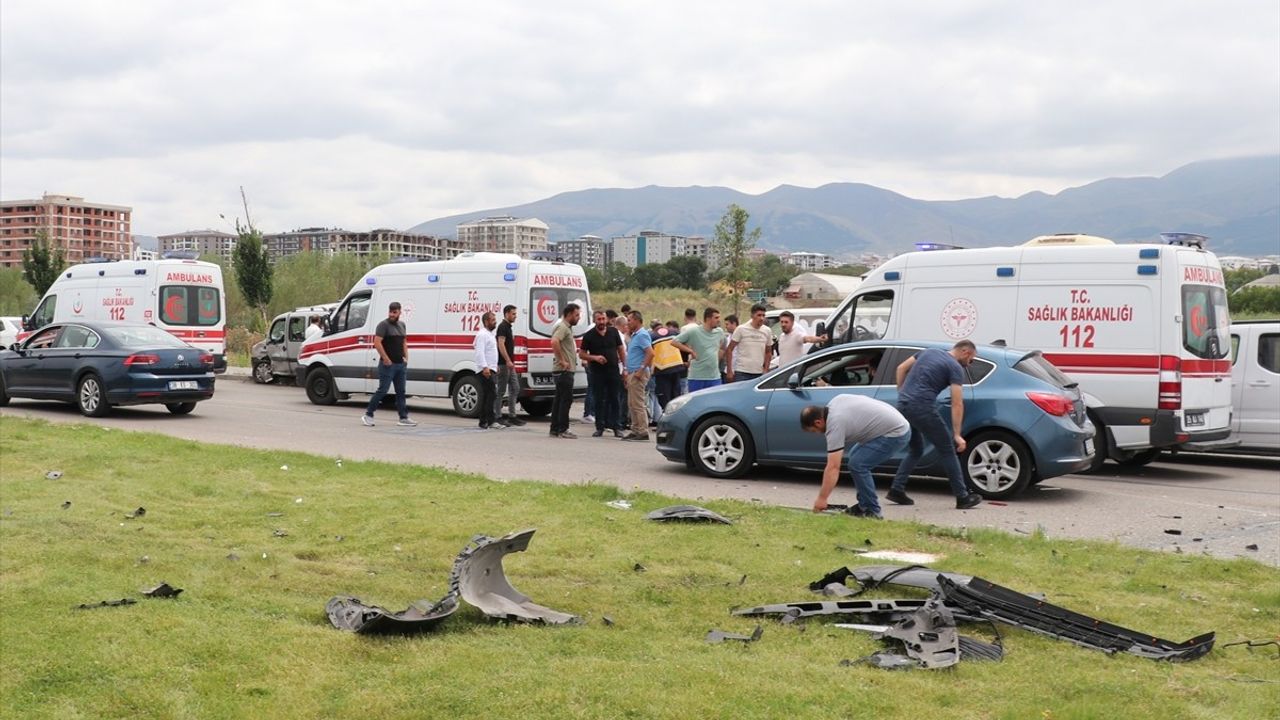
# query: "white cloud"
390 113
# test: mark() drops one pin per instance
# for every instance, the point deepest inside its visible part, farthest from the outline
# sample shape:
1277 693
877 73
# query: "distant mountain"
1236 202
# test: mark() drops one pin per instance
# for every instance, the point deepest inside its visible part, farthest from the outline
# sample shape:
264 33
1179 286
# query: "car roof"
987 352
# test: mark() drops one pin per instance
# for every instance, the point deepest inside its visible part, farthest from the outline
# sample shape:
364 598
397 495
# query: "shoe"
598 433
636 438
857 511
406 422
588 419
968 501
554 434
501 424
897 497
513 420
482 426
566 435
618 434
367 420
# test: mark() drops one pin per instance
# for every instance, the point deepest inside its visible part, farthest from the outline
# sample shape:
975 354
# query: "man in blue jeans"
920 379
393 358
869 432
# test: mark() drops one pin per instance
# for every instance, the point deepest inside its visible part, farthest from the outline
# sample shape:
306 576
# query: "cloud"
389 113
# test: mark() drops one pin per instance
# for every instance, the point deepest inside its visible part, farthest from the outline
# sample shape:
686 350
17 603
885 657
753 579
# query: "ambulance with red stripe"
1143 328
179 294
442 303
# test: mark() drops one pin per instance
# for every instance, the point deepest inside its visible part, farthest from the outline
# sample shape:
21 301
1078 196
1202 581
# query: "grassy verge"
249 638
667 303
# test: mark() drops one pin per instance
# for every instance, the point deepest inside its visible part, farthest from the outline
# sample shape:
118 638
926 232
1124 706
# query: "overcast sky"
391 113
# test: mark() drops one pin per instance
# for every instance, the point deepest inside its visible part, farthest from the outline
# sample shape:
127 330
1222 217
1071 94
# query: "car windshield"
142 336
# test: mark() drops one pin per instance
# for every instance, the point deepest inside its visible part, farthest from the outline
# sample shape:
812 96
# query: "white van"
441 306
1255 385
1142 328
183 296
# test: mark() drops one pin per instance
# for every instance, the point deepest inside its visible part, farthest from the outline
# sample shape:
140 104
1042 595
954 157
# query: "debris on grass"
140 512
718 636
619 504
163 590
1251 546
349 613
53 475
1172 532
106 603
915 558
66 505
691 513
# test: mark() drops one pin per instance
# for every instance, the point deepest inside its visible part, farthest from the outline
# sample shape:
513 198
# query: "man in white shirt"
314 329
750 348
794 339
486 347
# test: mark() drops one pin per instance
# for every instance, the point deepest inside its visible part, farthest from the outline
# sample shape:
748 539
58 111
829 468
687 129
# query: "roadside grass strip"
258 550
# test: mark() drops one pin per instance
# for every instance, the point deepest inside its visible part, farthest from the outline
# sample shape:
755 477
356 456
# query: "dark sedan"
98 365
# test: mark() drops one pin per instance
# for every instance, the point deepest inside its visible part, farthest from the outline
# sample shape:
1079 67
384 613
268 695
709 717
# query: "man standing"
730 325
620 324
639 362
793 339
393 356
705 344
486 347
508 385
601 351
750 349
920 379
869 432
566 359
314 329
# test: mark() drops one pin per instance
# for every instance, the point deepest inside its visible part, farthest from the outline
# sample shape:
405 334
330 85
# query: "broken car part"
53 474
928 636
687 512
870 577
163 590
106 603
478 575
349 613
884 611
719 636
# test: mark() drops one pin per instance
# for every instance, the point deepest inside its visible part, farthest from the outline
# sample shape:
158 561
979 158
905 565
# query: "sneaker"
566 435
589 419
857 511
482 426
598 433
501 424
968 501
513 420
618 434
367 420
897 497
636 438
406 422
554 434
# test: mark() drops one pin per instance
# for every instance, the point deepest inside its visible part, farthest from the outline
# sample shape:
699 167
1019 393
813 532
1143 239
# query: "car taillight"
206 359
1169 395
1052 403
141 359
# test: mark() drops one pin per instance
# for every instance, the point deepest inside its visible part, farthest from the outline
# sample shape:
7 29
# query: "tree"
688 272
617 276
850 270
731 245
769 273
17 297
253 269
656 275
595 278
41 264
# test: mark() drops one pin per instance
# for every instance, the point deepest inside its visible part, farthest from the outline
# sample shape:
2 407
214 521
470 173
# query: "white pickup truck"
1255 386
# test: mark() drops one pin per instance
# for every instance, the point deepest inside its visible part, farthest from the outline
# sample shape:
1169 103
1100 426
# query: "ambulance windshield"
1206 322
545 304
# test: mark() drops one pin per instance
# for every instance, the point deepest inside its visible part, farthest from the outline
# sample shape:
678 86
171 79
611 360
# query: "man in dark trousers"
565 351
486 347
867 432
393 358
602 350
508 386
920 379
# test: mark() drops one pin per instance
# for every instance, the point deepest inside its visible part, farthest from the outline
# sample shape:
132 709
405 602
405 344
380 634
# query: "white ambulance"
1143 328
181 295
441 305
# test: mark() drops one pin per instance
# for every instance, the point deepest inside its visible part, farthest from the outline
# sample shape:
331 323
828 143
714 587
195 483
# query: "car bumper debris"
691 513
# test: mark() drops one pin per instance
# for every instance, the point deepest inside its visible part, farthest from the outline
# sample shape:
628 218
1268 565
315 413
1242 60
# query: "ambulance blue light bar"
1147 270
893 275
371 281
1185 239
1148 253
926 246
1004 272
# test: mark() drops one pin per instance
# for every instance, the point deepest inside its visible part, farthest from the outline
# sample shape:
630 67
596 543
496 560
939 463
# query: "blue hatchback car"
1024 421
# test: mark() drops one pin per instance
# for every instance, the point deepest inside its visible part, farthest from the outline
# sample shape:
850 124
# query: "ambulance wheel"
466 397
721 447
1101 446
997 465
91 399
1139 458
183 408
536 408
320 388
262 372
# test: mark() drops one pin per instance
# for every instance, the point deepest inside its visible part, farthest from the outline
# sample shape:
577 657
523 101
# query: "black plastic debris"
140 512
718 636
1251 546
106 603
163 590
1172 532
1251 644
690 513
66 505
349 613
638 568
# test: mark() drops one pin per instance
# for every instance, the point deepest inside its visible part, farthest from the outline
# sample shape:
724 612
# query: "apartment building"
83 230
313 239
585 250
204 243
810 261
395 243
653 247
505 234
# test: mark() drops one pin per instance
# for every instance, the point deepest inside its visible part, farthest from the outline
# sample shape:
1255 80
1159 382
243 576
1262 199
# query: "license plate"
1088 447
184 385
1193 420
542 380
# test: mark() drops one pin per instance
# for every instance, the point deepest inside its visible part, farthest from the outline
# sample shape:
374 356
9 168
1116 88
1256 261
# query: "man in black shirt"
393 359
602 350
508 378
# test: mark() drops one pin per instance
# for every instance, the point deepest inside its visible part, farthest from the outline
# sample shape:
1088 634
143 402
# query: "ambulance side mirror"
793 381
26 323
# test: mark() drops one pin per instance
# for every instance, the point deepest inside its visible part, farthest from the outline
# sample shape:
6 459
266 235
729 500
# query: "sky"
387 114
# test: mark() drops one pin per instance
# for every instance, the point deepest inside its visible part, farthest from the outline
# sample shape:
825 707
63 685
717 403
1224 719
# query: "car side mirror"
26 323
16 347
821 328
793 380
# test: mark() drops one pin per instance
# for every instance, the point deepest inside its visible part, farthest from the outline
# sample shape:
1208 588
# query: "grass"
667 303
248 637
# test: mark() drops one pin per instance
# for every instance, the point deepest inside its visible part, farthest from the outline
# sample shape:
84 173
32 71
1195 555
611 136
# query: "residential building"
82 230
141 253
382 241
821 286
505 234
586 250
654 247
204 243
313 239
810 261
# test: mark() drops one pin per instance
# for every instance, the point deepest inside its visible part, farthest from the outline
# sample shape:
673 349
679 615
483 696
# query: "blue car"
1024 420
98 365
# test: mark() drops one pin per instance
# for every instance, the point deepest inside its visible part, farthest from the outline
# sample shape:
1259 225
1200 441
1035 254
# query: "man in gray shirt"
869 432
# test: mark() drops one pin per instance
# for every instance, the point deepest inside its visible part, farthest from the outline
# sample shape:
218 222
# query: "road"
1218 505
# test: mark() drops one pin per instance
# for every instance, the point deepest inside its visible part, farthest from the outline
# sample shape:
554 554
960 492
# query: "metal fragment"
691 513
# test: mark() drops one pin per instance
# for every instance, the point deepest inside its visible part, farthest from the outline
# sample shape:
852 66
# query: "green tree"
310 278
688 272
1235 279
655 275
731 244
769 273
595 279
618 276
253 270
850 270
17 297
41 263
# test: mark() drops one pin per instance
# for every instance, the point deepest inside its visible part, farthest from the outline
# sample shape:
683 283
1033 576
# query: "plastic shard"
480 580
719 636
692 513
349 613
163 590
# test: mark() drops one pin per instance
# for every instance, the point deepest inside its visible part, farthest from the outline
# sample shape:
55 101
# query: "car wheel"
4 393
183 408
91 398
262 372
536 408
1139 458
721 447
997 465
320 389
466 397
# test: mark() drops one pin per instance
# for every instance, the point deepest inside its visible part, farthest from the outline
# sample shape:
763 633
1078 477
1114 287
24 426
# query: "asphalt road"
1218 505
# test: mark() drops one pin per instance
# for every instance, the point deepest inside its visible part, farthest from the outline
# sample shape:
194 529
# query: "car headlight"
673 406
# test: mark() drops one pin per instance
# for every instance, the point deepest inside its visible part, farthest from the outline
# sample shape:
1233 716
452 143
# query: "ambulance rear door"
1203 342
551 288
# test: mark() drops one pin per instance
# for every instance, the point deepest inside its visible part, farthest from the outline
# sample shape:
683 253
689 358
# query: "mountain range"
1236 202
